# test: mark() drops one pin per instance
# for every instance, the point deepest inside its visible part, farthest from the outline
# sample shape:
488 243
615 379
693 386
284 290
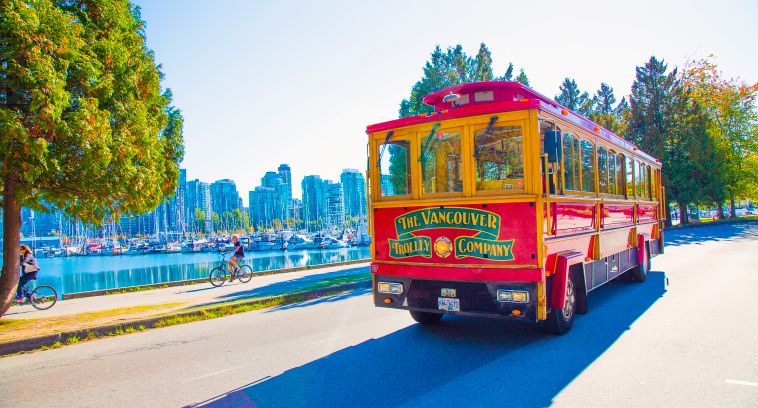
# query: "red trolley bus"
504 203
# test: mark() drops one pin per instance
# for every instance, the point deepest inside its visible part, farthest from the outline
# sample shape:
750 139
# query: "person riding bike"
239 253
29 269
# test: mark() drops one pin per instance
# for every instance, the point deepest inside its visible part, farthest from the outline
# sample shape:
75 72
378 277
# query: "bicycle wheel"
218 276
245 273
43 297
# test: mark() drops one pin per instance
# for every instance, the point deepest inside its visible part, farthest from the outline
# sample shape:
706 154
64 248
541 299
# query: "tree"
448 68
508 75
731 110
603 111
569 96
84 126
522 78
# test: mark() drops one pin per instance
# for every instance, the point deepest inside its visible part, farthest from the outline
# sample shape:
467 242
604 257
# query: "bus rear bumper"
487 299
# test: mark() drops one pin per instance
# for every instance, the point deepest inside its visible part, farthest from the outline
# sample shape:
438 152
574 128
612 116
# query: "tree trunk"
719 210
731 202
667 208
11 238
683 217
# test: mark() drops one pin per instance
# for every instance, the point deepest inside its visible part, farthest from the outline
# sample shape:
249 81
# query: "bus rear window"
499 157
394 168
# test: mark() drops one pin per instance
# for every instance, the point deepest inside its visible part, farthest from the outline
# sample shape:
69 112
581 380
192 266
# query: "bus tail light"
393 288
512 296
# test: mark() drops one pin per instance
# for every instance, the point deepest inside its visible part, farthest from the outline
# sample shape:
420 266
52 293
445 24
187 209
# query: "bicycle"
43 297
220 274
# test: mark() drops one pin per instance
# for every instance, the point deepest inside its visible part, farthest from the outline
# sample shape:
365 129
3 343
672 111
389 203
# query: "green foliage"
82 111
522 78
452 67
570 95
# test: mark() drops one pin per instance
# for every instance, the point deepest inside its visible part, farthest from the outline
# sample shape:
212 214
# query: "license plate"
449 304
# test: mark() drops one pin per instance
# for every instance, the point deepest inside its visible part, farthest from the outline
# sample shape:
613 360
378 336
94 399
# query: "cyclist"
239 253
29 269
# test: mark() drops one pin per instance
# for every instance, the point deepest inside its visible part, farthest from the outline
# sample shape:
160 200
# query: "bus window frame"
599 146
421 133
526 142
377 140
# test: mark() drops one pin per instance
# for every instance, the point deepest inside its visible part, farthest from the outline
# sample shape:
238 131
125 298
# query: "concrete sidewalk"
200 294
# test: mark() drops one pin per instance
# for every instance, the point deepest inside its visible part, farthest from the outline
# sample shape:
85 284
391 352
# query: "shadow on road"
722 232
460 362
325 299
290 286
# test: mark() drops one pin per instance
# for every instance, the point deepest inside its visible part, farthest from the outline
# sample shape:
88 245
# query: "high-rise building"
263 206
314 200
198 202
224 196
334 206
285 190
353 193
273 198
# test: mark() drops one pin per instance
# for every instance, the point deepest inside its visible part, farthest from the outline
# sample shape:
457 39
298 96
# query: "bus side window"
570 162
602 169
394 168
638 170
630 178
612 171
588 166
648 183
620 185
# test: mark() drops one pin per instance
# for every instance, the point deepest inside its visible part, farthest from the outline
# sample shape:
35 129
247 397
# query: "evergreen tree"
522 78
508 75
452 67
603 111
586 105
651 123
569 96
84 125
483 64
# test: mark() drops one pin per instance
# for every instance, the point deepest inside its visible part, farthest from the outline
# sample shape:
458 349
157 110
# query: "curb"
680 227
35 343
153 286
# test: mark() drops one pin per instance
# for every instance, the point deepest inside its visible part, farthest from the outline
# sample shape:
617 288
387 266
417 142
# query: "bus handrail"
547 191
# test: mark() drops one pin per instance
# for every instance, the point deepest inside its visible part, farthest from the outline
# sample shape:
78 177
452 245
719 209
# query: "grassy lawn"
15 329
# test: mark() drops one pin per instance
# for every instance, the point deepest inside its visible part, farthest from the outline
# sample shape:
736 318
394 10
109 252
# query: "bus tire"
426 317
639 272
560 321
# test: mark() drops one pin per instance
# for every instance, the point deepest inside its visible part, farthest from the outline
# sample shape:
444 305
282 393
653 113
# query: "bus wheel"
639 272
426 317
560 321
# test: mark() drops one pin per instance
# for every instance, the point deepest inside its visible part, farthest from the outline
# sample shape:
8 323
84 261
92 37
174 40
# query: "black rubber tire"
218 276
426 317
43 297
245 273
560 321
639 272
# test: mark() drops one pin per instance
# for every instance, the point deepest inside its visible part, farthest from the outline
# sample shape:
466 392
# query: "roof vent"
452 98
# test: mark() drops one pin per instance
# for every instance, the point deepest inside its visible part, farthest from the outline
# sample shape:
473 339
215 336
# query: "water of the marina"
86 273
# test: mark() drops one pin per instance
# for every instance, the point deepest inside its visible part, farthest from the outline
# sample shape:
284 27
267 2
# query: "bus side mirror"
553 145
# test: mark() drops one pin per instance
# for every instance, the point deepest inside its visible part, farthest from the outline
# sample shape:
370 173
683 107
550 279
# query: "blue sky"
263 83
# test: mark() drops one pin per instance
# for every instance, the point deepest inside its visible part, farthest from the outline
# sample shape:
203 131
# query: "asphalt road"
687 337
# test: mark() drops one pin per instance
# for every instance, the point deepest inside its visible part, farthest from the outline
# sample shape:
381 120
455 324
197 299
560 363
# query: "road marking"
216 373
739 382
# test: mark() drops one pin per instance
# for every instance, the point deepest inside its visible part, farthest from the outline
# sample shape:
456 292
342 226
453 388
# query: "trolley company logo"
483 245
